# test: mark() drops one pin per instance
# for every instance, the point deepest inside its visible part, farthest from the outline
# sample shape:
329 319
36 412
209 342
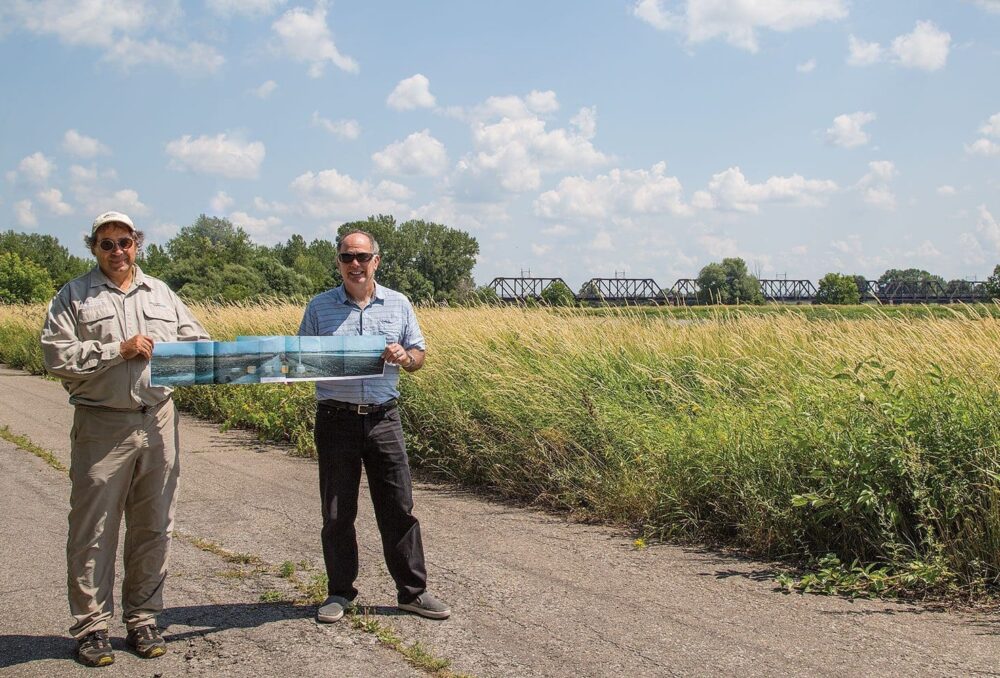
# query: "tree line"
730 282
214 260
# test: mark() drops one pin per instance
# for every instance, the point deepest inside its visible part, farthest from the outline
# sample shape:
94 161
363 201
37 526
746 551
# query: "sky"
572 139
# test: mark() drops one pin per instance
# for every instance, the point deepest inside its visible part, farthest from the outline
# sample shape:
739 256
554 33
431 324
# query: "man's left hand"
395 354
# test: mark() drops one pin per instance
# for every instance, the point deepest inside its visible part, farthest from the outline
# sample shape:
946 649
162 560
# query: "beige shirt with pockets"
87 321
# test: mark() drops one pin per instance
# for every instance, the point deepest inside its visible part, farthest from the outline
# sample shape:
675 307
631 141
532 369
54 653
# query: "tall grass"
875 439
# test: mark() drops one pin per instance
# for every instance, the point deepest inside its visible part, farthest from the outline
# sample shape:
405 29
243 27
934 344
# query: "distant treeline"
213 260
730 282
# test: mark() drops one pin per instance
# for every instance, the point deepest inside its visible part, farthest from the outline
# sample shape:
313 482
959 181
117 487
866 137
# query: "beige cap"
111 217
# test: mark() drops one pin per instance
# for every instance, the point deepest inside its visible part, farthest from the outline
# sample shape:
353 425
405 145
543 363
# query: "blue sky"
573 139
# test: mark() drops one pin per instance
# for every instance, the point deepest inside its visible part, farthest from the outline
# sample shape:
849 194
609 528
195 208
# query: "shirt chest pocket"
161 322
391 328
98 322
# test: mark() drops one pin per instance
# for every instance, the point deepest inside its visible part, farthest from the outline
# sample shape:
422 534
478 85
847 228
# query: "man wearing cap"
357 424
98 339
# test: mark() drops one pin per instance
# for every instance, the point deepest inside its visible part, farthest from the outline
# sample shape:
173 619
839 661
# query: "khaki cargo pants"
121 462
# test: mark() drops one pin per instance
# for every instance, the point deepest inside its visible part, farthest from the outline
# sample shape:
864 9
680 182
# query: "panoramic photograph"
636 337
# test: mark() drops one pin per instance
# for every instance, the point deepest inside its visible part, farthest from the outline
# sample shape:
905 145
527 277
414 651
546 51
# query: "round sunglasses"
108 245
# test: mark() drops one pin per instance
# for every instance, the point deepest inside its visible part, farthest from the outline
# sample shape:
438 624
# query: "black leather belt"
362 409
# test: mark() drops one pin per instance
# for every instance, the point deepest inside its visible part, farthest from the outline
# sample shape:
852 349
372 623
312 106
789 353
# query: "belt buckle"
363 409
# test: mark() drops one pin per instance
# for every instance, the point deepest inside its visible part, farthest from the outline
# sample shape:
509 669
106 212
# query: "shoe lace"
97 640
148 632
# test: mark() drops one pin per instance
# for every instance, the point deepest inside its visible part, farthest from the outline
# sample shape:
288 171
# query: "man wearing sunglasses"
98 338
357 425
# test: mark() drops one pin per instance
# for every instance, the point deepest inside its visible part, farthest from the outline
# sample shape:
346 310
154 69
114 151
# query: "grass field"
864 441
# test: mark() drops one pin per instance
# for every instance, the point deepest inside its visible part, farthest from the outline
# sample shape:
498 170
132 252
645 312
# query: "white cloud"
516 108
36 168
730 190
24 214
221 202
986 146
472 217
85 175
244 7
880 171
413 92
345 129
419 153
806 67
992 126
737 21
83 146
861 53
254 225
94 23
989 5
946 190
585 122
53 199
540 250
847 129
518 148
90 189
272 206
926 48
331 195
125 200
221 155
602 242
542 102
983 147
985 241
874 185
265 89
116 27
988 228
719 247
619 193
879 196
558 231
306 38
192 58
926 249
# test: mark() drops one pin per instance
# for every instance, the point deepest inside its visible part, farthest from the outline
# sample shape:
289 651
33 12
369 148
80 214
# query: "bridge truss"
522 289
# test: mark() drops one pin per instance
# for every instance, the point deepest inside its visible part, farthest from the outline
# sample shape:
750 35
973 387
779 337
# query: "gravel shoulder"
531 594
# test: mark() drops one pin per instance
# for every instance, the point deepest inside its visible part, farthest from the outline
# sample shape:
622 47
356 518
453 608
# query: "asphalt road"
531 594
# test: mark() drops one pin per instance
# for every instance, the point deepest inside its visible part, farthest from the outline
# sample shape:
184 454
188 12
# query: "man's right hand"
139 346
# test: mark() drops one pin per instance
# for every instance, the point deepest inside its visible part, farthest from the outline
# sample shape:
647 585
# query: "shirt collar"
97 278
340 294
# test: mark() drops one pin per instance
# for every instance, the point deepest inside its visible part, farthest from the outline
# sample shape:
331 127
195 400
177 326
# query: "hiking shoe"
146 641
94 649
333 609
428 606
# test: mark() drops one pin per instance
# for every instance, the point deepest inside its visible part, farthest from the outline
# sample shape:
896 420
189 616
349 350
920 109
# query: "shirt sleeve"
412 337
64 354
307 328
188 327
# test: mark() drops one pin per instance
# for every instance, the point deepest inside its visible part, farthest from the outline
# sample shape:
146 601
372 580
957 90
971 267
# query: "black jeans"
345 441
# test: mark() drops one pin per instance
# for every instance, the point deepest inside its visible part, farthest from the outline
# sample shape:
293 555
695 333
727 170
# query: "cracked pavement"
531 594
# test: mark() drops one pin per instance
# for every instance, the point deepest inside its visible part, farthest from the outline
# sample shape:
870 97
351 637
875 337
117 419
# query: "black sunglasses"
362 257
108 245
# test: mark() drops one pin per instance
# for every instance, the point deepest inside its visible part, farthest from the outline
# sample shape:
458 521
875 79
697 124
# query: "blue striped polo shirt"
389 313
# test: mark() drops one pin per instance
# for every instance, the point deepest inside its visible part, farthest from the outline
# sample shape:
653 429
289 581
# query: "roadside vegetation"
863 441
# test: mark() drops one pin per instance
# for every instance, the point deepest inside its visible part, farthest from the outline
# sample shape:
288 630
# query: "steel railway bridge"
686 292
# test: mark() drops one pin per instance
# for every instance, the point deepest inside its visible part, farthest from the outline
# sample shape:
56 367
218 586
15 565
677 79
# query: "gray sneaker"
333 609
428 606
